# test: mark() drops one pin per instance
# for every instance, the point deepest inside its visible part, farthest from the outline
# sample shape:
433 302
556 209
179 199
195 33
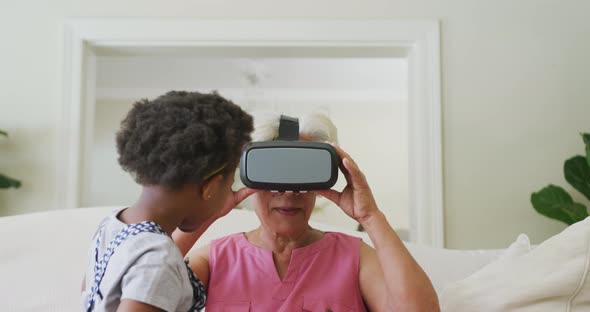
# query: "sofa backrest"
43 255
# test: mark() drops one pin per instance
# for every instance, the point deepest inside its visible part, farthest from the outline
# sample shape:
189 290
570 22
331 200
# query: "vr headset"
287 164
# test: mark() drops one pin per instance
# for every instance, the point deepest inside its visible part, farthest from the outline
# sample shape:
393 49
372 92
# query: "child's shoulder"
135 244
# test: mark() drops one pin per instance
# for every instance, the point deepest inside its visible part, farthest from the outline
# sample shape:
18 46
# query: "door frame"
420 39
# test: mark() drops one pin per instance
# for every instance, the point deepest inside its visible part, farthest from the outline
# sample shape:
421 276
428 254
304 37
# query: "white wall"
514 80
103 181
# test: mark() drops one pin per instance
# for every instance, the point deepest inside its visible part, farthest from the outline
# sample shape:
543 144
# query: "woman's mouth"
288 211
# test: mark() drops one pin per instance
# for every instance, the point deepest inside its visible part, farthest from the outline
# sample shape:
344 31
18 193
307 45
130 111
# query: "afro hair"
182 137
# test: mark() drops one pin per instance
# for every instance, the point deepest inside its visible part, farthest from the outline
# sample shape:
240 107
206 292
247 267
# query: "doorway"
378 82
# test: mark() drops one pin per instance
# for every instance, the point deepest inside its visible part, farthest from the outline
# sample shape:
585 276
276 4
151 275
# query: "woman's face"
284 213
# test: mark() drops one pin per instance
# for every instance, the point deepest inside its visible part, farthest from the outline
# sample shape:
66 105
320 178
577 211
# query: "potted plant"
6 181
554 202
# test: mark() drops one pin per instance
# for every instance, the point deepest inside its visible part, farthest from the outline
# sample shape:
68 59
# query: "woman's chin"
289 224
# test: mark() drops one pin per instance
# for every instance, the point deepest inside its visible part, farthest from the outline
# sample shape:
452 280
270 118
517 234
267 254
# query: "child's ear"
210 186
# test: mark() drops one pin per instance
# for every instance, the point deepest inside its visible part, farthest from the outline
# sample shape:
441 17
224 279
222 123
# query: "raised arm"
390 278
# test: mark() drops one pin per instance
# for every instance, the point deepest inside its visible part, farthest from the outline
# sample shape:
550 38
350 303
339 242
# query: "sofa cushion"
43 258
551 277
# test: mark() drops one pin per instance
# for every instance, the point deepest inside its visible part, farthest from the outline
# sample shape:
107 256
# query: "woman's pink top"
323 276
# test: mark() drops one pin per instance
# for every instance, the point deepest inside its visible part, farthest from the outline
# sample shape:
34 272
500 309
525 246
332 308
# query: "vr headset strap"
288 128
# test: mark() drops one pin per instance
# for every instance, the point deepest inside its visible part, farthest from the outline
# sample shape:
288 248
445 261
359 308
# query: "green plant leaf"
554 202
577 173
586 137
6 182
4 133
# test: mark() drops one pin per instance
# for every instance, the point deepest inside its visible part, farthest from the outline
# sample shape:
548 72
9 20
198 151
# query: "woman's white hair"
317 127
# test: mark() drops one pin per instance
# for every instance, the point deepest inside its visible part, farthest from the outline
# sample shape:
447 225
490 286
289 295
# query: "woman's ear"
210 186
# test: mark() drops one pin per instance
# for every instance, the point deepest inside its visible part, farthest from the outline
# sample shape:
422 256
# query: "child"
183 149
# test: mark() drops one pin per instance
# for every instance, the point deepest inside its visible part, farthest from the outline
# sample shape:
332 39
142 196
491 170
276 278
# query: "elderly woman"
286 265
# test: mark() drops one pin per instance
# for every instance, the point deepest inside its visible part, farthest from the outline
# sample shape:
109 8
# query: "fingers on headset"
332 195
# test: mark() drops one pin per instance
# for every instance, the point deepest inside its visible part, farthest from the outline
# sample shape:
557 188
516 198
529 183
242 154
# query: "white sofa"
43 256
